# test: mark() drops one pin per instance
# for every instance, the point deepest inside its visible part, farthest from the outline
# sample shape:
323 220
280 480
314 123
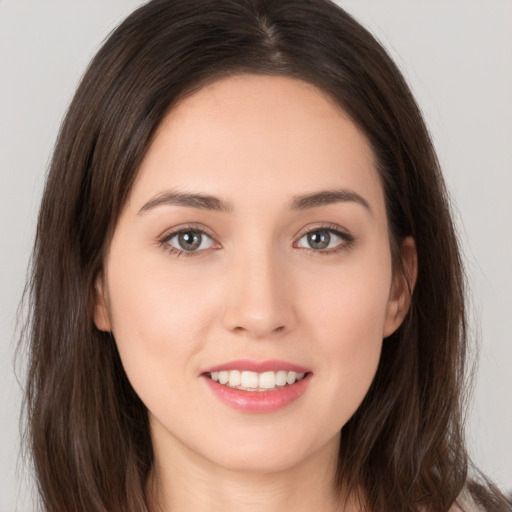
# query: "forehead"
254 136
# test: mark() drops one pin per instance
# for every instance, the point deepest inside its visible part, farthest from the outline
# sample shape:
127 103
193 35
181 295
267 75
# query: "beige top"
466 501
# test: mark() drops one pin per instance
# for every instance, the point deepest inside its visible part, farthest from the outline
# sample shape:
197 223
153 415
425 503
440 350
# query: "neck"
182 481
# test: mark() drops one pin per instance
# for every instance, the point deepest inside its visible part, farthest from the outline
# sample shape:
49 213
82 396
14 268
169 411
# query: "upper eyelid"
335 228
176 230
347 239
164 240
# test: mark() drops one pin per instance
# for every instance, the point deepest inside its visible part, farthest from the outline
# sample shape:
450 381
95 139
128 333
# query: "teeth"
281 378
253 381
267 380
235 378
249 380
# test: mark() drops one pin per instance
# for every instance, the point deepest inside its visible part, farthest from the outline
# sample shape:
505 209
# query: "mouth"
256 381
257 386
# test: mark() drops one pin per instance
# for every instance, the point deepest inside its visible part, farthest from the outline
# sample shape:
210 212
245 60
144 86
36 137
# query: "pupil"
319 239
190 240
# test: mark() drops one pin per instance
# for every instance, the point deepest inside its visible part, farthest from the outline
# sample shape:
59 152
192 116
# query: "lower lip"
258 401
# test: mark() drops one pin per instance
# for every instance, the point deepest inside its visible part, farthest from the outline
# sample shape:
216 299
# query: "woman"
247 291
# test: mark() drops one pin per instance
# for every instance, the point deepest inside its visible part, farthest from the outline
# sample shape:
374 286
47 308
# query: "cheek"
151 298
349 302
159 318
347 320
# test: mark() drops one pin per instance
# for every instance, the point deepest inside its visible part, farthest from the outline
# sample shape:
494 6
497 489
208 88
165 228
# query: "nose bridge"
259 302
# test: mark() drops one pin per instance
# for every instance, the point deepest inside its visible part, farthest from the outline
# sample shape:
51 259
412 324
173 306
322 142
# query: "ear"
101 316
402 287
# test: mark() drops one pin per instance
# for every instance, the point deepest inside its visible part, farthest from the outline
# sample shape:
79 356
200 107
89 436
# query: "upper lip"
250 365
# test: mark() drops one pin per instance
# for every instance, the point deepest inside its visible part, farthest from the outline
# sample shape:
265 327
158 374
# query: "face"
254 249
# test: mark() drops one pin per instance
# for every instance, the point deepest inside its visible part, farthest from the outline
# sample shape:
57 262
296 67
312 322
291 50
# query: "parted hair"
87 430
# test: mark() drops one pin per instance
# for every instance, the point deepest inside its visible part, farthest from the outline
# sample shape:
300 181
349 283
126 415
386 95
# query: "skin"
255 290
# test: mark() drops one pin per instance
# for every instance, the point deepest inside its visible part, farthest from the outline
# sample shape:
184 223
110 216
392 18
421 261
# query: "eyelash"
348 239
163 242
330 228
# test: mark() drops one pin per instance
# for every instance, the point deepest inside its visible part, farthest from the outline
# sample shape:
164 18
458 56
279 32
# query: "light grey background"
457 56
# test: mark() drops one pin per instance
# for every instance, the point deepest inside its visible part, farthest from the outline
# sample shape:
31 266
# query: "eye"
189 240
324 239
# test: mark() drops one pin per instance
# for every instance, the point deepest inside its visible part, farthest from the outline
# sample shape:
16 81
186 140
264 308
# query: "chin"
264 454
261 462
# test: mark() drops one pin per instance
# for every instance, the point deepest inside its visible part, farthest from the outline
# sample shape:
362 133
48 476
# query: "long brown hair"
87 429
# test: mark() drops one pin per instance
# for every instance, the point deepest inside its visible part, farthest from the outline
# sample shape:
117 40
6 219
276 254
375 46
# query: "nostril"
259 330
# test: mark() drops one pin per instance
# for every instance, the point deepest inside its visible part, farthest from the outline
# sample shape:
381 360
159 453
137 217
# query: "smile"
257 387
254 381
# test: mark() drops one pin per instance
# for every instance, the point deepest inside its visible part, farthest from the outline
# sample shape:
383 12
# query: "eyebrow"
201 201
327 197
209 202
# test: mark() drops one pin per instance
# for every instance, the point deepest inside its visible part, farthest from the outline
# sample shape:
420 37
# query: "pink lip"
258 366
258 401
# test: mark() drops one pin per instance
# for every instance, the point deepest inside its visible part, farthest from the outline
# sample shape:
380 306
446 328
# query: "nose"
260 297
